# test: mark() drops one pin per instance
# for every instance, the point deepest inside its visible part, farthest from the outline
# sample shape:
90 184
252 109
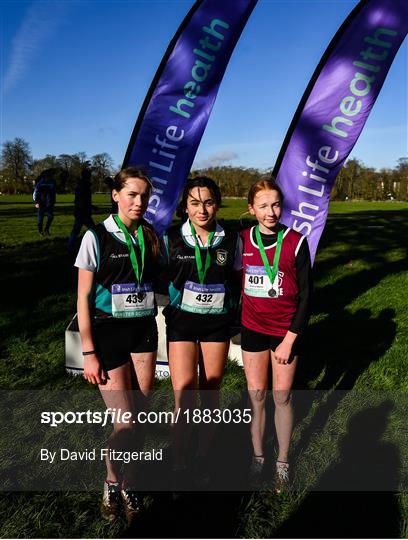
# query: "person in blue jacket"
44 197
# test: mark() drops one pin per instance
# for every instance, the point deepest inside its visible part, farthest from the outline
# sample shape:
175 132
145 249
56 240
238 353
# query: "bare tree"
71 166
16 160
102 165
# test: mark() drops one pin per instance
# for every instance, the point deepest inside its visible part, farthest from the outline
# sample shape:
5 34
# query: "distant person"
82 207
44 197
109 183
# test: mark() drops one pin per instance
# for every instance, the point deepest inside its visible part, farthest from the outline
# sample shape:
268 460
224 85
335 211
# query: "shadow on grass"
38 284
32 273
32 212
209 514
342 346
339 349
101 211
366 463
194 515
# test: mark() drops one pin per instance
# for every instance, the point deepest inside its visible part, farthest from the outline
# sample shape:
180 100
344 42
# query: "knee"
257 396
282 398
123 429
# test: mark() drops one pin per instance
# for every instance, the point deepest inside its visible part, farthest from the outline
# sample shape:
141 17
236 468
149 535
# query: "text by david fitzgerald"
64 454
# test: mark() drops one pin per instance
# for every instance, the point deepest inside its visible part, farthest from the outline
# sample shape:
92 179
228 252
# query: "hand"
93 371
37 205
282 352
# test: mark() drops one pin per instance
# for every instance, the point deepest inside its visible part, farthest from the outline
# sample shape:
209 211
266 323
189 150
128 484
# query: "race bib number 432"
207 299
131 300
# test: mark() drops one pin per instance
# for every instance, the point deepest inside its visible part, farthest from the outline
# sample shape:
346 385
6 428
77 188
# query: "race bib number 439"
257 283
131 300
207 299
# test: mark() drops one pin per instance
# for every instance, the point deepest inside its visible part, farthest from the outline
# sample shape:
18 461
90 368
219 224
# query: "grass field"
350 408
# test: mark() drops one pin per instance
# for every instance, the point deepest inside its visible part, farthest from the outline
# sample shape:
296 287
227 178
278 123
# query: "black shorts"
184 326
252 341
115 339
215 335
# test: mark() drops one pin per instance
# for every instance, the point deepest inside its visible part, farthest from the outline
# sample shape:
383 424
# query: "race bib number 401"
207 299
131 300
257 283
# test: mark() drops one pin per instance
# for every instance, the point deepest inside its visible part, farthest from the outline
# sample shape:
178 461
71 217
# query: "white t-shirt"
219 233
87 257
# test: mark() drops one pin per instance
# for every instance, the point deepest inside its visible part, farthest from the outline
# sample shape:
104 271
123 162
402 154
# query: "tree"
233 181
16 160
102 165
401 178
39 165
71 168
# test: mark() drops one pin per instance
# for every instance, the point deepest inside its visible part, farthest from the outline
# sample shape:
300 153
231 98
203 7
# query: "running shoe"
132 504
282 477
110 505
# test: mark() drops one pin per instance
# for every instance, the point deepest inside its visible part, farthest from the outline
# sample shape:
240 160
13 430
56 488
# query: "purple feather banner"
180 99
334 109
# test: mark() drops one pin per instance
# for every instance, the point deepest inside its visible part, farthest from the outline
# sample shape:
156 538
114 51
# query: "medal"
272 293
271 272
199 263
133 259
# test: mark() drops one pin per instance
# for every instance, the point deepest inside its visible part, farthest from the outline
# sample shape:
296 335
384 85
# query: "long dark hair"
118 183
201 181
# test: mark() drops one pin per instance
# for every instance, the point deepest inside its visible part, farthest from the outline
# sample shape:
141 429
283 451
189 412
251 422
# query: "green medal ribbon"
199 262
131 248
274 270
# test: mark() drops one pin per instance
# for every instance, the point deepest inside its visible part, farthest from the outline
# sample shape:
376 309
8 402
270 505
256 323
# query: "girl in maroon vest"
276 290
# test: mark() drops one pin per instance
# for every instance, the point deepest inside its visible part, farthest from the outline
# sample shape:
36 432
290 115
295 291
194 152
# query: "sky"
75 74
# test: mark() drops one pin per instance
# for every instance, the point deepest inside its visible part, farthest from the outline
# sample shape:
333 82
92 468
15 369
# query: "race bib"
207 299
257 283
131 300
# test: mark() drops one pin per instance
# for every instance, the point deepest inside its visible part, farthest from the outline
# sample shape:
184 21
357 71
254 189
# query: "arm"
284 349
300 319
236 280
53 194
93 371
35 194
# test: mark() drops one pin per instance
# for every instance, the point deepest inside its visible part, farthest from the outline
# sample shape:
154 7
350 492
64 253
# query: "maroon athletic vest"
268 315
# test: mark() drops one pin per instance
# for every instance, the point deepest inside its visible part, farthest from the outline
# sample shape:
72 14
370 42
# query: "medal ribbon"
274 270
131 248
202 273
